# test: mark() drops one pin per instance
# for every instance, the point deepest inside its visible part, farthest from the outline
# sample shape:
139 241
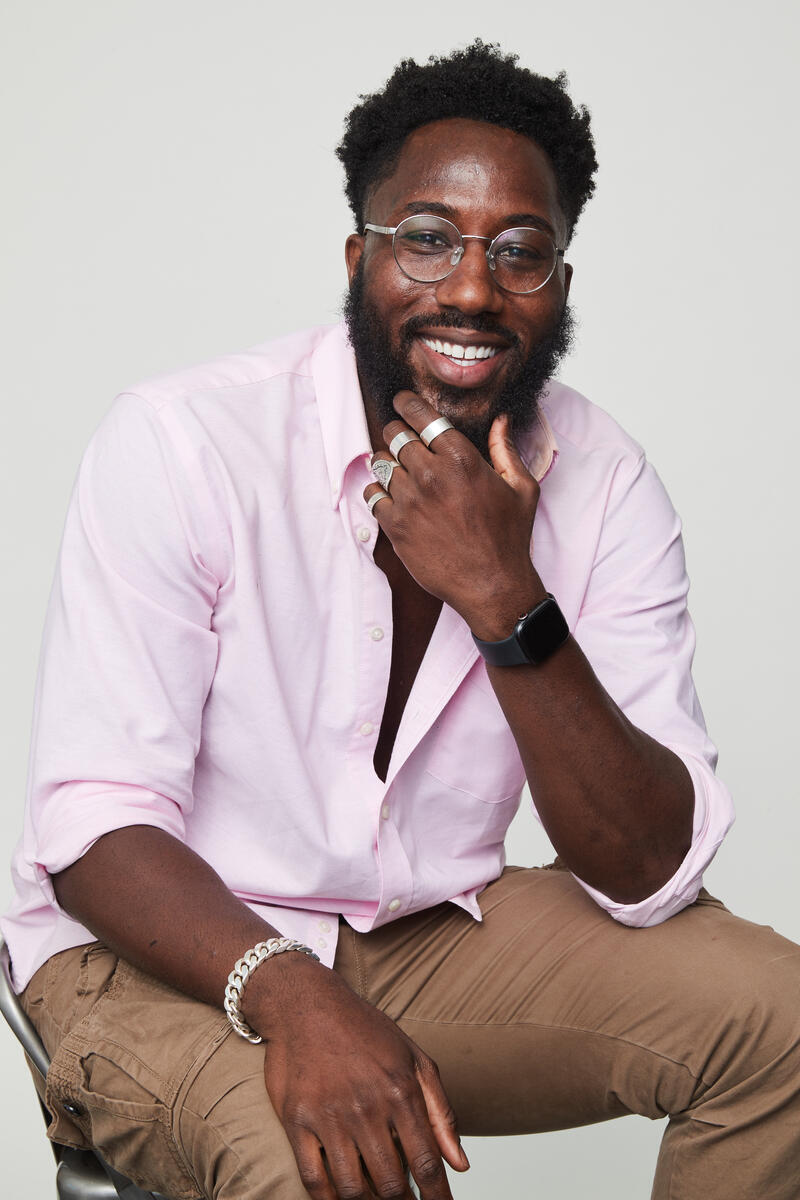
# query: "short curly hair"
482 84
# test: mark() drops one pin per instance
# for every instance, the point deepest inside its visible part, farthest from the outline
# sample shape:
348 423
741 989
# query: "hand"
353 1093
462 529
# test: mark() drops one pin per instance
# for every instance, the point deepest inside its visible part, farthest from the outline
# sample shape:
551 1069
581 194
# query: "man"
281 700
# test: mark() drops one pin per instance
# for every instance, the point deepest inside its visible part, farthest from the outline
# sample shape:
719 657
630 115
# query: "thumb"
504 454
442 1118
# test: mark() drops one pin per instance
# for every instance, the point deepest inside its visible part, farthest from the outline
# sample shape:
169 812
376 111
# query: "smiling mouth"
458 353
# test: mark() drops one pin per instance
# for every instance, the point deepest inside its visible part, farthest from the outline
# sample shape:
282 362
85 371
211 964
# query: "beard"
383 371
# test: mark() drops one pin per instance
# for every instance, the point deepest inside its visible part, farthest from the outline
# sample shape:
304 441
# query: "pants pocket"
101 1097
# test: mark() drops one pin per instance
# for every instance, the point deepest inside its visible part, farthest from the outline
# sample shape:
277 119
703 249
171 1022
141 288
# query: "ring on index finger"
440 425
402 439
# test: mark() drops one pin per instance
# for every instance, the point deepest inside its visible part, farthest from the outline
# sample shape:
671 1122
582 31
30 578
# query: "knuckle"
402 1090
314 1178
295 1117
401 531
450 1118
413 406
428 1167
461 458
426 1066
394 1188
351 1189
428 480
362 1106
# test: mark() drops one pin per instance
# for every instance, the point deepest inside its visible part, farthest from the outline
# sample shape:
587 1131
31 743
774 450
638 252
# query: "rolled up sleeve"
635 628
128 653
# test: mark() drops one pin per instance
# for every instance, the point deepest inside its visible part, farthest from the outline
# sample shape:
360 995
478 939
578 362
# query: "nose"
470 287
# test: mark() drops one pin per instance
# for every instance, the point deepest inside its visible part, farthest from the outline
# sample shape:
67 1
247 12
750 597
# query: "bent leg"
157 1082
549 1015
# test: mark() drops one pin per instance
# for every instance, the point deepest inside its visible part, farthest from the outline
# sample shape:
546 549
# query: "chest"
414 616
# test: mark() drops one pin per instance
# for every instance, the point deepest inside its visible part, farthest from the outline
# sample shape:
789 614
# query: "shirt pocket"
470 747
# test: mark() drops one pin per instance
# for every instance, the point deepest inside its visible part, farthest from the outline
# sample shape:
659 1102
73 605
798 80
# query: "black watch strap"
535 637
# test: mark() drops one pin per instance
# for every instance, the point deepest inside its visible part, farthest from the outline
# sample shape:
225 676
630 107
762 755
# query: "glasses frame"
458 253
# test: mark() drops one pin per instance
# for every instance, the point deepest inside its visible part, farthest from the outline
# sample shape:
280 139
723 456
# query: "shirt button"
366 729
321 943
363 534
324 926
385 812
376 634
393 905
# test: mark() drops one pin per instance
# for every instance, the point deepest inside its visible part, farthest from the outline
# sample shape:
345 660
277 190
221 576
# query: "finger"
397 477
441 1116
311 1164
505 457
422 1146
418 414
347 1170
400 439
380 507
383 1166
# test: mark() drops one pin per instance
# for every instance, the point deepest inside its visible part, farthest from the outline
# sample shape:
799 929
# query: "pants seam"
611 1037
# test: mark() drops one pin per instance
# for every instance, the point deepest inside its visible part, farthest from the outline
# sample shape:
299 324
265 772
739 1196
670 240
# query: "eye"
425 241
520 254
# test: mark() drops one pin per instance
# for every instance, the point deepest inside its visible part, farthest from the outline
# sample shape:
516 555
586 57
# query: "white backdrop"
158 157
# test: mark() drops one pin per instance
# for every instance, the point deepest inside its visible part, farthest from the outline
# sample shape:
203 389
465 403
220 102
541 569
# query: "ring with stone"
440 425
383 469
401 439
375 497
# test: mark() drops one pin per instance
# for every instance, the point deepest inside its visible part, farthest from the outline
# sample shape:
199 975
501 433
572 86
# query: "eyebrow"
511 221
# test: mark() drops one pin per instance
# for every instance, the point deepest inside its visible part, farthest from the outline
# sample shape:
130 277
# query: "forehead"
477 170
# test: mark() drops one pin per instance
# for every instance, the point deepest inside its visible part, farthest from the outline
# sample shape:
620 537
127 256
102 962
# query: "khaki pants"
546 1015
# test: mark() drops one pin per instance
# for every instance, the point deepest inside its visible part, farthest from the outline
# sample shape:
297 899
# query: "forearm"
164 909
616 804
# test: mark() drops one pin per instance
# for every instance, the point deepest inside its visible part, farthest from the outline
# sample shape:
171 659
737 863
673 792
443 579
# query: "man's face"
484 179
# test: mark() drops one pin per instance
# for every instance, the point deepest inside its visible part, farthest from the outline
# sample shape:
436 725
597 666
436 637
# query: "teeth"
459 353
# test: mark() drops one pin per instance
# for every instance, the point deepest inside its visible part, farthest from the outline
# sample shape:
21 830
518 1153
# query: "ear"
353 249
567 278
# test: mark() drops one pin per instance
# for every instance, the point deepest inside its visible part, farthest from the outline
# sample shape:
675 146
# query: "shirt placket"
373 667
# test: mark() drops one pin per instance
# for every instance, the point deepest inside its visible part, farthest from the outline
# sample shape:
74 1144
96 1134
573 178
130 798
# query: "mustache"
480 323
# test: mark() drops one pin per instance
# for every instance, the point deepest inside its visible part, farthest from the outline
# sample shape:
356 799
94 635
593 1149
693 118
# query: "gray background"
162 163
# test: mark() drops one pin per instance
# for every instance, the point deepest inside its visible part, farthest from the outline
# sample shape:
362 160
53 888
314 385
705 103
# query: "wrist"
495 616
244 999
536 636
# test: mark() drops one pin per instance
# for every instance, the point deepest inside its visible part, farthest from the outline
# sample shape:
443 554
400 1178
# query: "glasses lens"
524 259
427 248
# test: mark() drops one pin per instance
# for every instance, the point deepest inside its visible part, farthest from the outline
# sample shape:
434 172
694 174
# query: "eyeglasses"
428 249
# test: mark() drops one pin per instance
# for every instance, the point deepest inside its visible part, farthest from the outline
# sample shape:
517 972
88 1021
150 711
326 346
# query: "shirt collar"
539 448
343 423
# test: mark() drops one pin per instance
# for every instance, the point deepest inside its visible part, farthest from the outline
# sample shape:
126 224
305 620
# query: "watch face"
542 631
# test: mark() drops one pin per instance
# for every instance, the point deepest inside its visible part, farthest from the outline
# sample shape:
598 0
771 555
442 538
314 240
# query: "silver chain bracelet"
242 971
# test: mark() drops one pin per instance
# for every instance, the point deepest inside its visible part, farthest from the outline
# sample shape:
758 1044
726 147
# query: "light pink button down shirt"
218 644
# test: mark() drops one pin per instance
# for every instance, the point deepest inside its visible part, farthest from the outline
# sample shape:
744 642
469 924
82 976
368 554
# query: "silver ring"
434 429
383 469
401 439
375 497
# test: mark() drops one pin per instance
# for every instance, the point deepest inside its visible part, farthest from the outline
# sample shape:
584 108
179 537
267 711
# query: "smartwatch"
535 637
